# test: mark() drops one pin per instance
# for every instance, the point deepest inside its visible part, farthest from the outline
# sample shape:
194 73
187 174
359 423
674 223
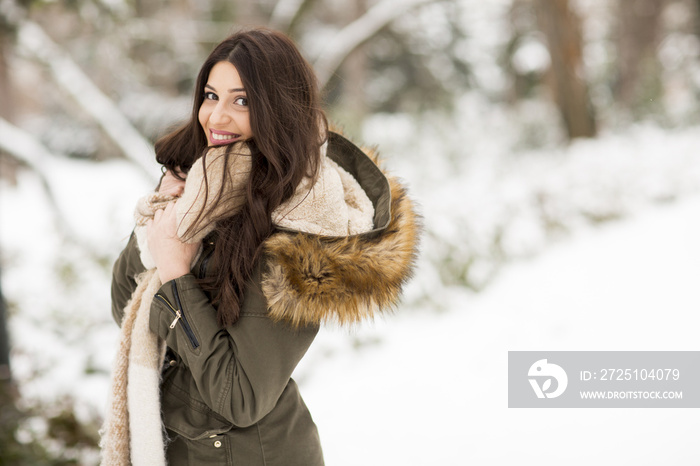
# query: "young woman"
302 228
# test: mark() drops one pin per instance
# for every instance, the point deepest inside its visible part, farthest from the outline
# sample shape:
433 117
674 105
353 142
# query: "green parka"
227 393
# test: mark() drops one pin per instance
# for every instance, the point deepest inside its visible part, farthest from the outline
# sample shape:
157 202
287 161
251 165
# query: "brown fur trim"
313 279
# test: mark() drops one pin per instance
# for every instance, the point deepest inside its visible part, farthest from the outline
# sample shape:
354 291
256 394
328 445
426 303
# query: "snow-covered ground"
432 390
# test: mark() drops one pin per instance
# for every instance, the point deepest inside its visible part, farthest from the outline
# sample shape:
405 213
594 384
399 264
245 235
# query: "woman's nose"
219 114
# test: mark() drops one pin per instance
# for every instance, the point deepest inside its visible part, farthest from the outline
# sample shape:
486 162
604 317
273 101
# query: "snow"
531 56
433 390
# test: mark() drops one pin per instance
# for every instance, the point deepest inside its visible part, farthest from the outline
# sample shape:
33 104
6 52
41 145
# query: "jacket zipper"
179 315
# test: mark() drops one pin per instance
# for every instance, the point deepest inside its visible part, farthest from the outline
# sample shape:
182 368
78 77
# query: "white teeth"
221 137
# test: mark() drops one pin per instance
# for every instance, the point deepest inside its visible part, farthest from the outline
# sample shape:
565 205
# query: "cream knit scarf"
332 205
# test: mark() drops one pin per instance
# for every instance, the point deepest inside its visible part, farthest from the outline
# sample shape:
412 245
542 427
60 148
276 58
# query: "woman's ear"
163 171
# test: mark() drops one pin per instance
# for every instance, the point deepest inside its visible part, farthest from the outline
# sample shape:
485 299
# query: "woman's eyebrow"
230 91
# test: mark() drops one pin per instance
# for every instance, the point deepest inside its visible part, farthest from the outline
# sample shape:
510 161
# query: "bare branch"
357 33
284 13
71 78
24 147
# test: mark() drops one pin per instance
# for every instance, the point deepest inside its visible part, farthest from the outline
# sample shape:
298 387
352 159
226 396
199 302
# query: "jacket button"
173 363
217 444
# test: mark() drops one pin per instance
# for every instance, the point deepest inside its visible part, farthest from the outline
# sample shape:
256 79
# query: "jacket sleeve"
240 371
127 266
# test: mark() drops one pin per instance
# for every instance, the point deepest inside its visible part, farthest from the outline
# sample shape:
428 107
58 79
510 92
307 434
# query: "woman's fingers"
169 218
164 218
172 185
172 257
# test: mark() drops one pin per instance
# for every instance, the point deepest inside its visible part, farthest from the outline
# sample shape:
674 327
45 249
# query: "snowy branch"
284 13
25 148
357 33
69 76
22 145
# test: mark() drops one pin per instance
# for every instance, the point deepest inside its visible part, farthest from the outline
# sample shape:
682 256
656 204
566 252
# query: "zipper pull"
178 315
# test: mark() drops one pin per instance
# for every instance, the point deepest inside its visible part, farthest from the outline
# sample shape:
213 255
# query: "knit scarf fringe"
138 438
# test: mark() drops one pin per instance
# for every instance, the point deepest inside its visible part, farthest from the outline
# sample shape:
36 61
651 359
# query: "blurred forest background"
515 122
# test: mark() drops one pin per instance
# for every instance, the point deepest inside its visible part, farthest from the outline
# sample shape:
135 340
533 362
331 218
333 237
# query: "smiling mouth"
223 138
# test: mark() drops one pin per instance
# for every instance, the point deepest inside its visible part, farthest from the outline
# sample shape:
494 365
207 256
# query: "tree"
6 101
286 13
639 70
357 33
562 28
9 414
5 373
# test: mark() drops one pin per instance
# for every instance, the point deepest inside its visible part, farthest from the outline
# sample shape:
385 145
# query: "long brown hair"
288 129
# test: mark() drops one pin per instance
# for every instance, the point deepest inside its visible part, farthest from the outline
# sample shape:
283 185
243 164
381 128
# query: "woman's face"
224 114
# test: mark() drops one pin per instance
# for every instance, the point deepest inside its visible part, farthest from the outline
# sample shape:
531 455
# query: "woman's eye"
211 96
242 101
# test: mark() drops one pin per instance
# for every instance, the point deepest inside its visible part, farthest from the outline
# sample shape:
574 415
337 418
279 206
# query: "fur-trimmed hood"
313 278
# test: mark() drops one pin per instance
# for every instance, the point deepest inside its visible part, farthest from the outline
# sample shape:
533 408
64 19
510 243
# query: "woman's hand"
173 258
172 185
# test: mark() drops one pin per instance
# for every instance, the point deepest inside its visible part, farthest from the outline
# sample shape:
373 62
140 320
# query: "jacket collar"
358 163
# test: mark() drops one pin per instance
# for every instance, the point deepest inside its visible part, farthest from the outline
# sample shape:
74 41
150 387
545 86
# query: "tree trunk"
8 390
562 27
5 374
354 78
7 105
638 72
